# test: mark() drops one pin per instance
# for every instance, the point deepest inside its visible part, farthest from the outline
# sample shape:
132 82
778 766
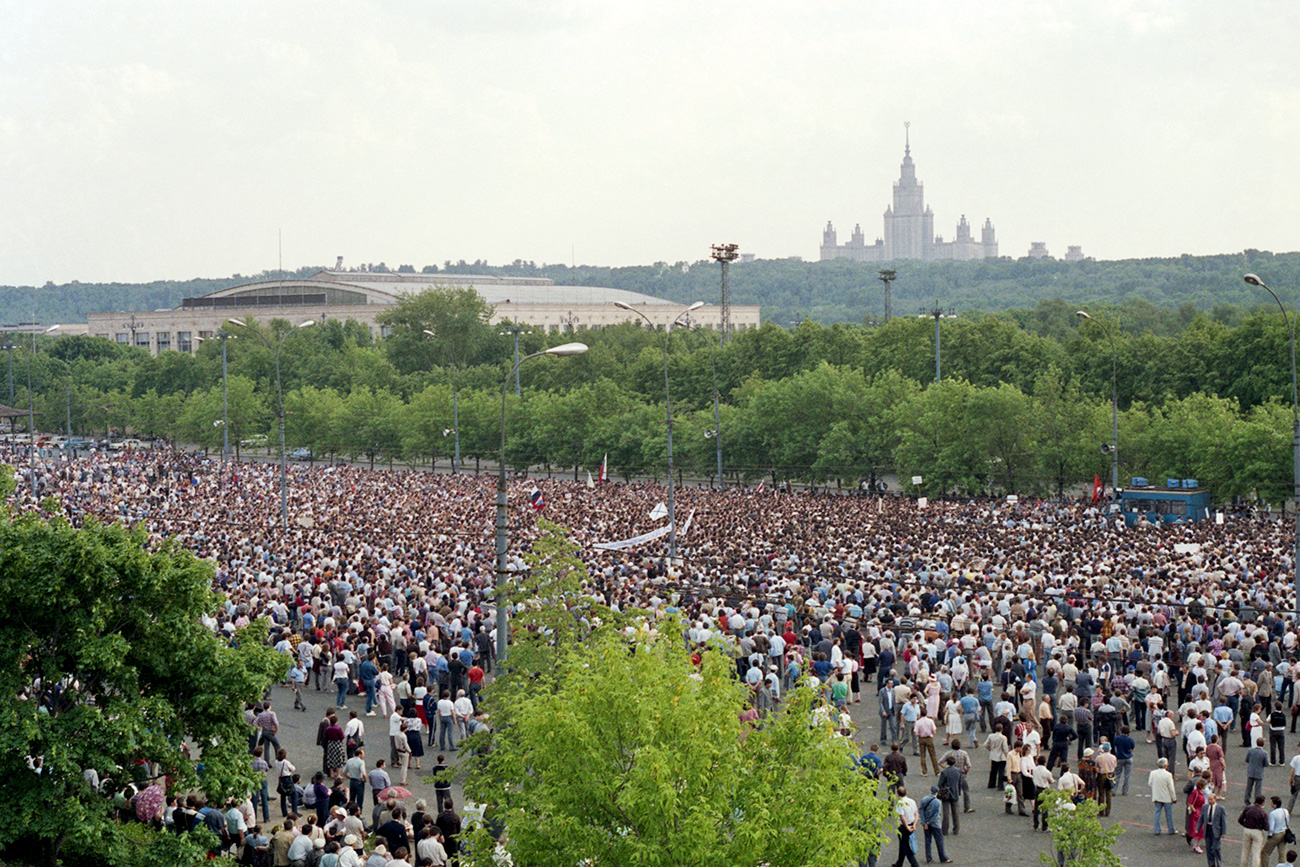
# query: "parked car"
302 453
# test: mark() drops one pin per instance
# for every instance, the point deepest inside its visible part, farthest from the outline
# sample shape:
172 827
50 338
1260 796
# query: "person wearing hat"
350 854
1106 762
930 808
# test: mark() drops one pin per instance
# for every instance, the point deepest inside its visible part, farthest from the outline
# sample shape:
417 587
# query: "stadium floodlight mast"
1254 280
668 406
1114 406
503 527
279 405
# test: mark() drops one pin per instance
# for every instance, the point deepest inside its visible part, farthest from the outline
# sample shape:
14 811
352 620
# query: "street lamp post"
279 403
668 407
516 330
1114 407
936 313
224 335
31 412
502 535
455 408
1253 280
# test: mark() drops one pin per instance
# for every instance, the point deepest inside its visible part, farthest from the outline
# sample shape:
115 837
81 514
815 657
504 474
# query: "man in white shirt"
463 709
907 821
1278 820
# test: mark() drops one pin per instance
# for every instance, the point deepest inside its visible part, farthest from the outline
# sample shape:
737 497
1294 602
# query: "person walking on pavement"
925 730
998 749
888 711
1214 824
1163 795
1279 819
949 790
908 818
1123 747
1106 765
930 809
1256 761
1254 829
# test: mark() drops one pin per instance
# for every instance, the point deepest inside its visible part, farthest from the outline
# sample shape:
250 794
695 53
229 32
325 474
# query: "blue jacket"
930 810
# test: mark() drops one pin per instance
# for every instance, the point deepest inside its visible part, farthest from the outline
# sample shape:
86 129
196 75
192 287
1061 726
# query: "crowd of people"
1048 634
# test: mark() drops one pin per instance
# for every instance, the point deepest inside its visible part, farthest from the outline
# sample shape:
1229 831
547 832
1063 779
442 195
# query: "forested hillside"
789 290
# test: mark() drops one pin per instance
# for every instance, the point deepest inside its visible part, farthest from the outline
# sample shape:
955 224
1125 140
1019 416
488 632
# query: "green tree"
457 316
116 623
630 756
1077 837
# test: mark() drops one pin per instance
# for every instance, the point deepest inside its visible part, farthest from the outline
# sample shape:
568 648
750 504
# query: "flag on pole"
590 482
1097 487
760 486
604 466
536 500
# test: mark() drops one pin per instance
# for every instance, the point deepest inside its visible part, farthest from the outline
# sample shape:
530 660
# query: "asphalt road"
988 836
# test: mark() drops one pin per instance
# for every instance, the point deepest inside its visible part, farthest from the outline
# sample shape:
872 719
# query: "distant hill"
788 289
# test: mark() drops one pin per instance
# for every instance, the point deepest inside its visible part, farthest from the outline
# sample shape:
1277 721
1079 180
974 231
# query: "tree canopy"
105 662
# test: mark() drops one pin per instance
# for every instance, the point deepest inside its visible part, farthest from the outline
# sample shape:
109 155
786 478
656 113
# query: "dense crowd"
1047 633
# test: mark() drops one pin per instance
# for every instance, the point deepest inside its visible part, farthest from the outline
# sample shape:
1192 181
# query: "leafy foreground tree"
1078 838
637 757
105 661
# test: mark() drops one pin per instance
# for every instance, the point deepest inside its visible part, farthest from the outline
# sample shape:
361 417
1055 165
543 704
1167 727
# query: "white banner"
644 537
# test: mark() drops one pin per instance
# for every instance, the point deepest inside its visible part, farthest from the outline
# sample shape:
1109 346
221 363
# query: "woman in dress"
1195 803
413 738
952 720
1214 753
932 698
335 751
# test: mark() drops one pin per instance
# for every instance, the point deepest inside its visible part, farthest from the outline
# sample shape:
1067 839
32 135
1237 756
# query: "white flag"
590 482
659 512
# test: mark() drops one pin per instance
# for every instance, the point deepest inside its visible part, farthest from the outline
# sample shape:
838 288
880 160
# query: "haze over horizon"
142 142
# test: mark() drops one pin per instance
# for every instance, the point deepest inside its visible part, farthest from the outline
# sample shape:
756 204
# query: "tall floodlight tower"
725 254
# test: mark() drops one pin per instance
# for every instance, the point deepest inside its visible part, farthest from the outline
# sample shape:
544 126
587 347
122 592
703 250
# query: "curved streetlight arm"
1253 280
668 410
502 520
1291 325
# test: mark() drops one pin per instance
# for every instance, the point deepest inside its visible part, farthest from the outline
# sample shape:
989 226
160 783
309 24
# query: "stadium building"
363 295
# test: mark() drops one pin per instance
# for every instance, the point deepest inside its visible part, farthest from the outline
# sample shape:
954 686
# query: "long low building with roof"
363 295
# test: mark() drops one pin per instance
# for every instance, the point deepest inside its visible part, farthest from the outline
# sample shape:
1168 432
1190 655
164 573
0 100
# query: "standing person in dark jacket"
1214 823
1062 734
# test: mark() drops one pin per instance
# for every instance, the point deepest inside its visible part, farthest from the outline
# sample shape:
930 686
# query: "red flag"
1097 487
604 466
760 486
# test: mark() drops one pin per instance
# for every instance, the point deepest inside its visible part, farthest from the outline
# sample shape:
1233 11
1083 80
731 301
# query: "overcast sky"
152 140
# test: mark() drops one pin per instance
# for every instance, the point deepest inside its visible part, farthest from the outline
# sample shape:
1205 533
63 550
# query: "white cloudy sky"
147 140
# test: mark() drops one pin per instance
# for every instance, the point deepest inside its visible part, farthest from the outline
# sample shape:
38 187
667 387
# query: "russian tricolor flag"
536 500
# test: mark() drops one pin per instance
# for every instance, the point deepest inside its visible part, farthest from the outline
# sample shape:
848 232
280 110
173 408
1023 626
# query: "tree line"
1161 295
1023 404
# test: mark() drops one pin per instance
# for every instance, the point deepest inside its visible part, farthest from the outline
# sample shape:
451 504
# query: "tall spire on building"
907 139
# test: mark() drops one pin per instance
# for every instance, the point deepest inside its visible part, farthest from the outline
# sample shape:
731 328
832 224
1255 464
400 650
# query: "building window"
164 341
142 339
122 338
183 342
